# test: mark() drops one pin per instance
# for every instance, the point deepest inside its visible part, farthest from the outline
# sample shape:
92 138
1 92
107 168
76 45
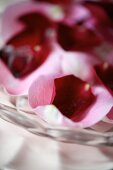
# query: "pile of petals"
60 54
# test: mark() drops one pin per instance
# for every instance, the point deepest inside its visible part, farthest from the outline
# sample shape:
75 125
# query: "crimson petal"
77 103
72 97
102 13
76 37
30 47
56 1
36 25
107 6
105 73
26 31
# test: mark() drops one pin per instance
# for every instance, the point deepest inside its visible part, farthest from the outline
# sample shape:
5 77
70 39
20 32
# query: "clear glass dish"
51 147
20 116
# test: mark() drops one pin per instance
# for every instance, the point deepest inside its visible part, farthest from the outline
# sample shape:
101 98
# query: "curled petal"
28 50
10 17
100 108
78 105
41 92
20 86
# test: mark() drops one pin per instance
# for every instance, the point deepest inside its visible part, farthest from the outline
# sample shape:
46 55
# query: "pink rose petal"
32 27
43 92
90 109
13 12
20 86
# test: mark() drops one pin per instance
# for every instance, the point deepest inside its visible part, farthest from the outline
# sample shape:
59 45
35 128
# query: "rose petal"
102 14
19 9
30 47
55 1
104 72
88 114
73 97
100 108
20 86
77 37
41 92
109 117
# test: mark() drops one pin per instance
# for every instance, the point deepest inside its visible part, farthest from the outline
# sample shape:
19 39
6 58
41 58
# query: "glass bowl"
27 142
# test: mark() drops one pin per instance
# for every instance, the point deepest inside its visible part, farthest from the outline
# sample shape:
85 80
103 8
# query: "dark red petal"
22 61
107 6
77 37
110 114
73 97
102 12
105 73
55 1
29 48
36 26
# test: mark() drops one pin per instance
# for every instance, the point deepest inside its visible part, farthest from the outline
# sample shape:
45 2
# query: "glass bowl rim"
35 125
